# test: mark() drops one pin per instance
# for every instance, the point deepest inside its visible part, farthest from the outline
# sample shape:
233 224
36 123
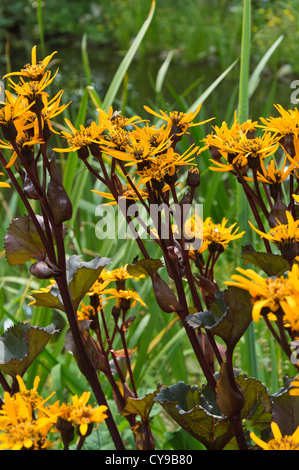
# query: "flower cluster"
26 114
26 420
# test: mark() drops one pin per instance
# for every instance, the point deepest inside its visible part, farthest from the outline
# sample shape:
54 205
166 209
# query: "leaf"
20 345
232 324
257 409
147 267
140 406
122 69
196 411
286 410
272 265
92 350
80 277
184 405
22 242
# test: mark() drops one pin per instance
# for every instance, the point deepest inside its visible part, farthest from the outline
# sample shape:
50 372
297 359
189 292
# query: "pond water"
180 77
142 74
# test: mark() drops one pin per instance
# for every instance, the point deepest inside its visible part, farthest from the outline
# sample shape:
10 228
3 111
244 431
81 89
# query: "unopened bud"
83 152
29 188
193 178
166 299
43 270
57 196
278 213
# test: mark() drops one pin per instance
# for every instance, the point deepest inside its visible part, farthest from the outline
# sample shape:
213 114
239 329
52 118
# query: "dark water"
180 77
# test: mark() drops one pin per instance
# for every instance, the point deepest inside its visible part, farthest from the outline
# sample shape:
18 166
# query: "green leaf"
22 242
286 410
140 406
232 324
184 405
272 265
147 267
122 69
80 277
257 409
20 345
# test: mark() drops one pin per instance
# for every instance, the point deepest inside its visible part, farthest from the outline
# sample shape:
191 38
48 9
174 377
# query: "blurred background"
199 39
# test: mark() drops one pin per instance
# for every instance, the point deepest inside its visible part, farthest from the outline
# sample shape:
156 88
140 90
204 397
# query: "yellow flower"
33 90
13 108
267 293
291 311
51 109
80 140
116 119
20 423
279 442
294 391
272 175
80 414
127 294
36 70
217 236
255 149
286 124
281 234
178 122
86 312
4 185
126 191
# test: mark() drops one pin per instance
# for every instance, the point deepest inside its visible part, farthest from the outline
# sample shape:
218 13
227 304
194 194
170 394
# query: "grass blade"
243 114
124 65
256 75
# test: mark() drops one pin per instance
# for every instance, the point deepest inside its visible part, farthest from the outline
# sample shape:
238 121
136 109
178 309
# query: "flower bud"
193 178
66 430
43 270
29 188
166 299
83 152
57 196
9 131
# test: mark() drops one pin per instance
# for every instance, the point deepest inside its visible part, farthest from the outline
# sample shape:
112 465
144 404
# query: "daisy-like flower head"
223 135
36 70
51 109
272 175
154 136
128 295
287 124
21 420
116 119
290 310
267 293
33 91
284 236
255 149
80 140
83 415
126 191
13 116
86 312
216 237
278 442
178 122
